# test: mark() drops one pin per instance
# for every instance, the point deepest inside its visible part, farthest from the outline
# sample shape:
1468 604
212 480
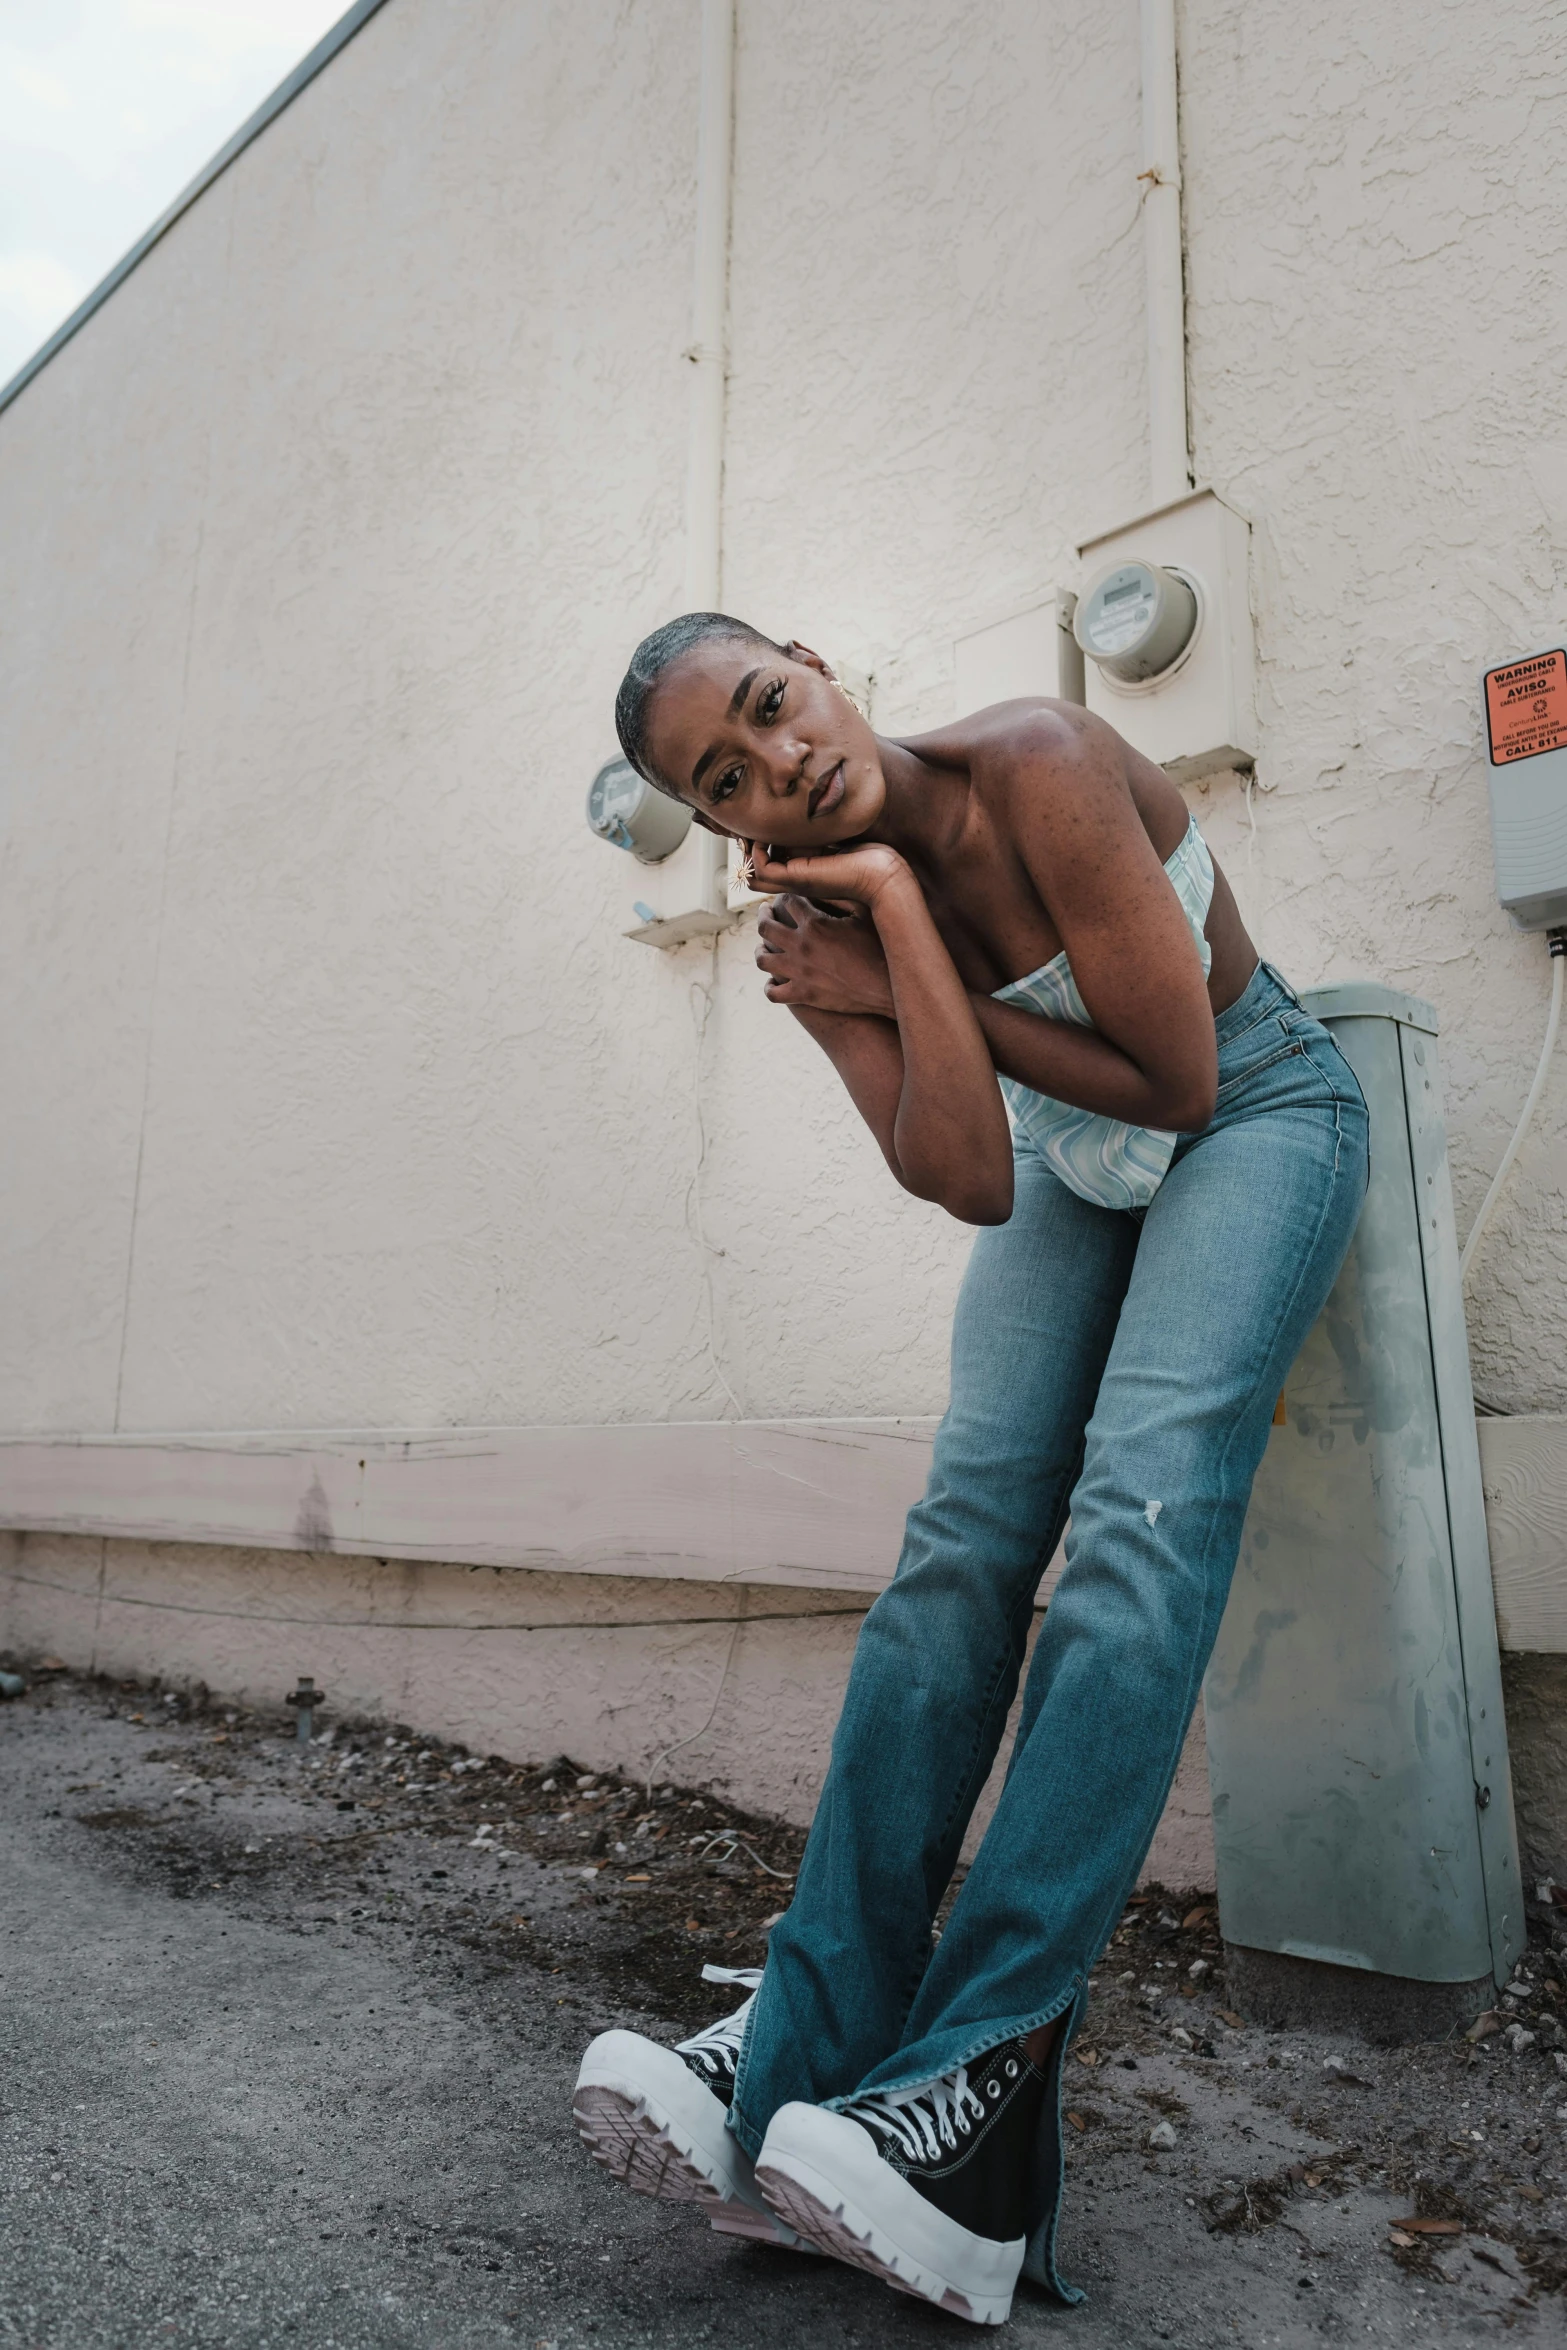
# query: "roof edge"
268 111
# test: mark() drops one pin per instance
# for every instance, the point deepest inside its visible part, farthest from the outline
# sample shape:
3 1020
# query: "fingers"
766 876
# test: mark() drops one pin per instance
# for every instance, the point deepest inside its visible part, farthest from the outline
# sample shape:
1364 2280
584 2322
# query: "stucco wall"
706 1685
334 1094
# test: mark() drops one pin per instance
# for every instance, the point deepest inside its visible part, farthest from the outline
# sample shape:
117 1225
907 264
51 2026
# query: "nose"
784 768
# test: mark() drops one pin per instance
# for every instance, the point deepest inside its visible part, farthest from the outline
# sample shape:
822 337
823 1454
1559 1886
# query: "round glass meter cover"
614 795
1121 610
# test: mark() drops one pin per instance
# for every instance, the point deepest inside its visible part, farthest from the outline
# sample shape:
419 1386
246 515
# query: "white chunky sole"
822 2175
645 2116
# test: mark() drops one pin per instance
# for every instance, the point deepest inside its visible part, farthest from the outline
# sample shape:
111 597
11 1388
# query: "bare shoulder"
1045 767
1009 735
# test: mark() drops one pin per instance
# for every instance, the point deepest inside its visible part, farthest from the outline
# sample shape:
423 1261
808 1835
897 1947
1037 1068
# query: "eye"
769 702
725 785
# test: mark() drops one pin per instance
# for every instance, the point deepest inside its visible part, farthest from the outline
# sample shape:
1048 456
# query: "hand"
820 962
863 872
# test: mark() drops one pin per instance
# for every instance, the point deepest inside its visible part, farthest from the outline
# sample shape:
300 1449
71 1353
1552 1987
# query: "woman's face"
765 745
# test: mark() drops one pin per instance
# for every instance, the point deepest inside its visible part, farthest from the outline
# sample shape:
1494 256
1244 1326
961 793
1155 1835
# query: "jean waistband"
1265 991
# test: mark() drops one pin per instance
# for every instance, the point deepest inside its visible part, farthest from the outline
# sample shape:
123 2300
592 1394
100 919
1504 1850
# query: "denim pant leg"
937 1661
1238 1251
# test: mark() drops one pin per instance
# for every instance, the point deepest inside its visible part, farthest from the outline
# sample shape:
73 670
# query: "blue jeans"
1120 1369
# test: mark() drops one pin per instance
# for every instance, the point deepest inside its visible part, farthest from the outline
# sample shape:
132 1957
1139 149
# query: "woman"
1033 925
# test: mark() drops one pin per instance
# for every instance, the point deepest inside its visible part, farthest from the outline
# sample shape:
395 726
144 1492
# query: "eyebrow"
735 700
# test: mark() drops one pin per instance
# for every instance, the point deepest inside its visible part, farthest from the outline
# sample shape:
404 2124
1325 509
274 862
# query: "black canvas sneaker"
929 2188
655 2117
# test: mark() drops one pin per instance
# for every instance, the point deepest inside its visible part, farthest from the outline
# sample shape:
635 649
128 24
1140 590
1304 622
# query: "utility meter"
1136 620
1165 621
624 809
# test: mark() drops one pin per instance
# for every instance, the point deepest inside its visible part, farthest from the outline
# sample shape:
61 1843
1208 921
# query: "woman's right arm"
914 1060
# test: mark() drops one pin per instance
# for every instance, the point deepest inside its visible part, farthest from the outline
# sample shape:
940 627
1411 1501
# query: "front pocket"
1283 1052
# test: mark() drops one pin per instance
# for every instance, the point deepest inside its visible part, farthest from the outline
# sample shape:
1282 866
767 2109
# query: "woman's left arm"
1151 1057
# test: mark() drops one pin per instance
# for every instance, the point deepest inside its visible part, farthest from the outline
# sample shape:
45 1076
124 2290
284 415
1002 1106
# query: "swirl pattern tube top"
1102 1159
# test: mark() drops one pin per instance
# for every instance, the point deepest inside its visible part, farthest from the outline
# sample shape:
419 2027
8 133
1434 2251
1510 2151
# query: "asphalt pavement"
287 2041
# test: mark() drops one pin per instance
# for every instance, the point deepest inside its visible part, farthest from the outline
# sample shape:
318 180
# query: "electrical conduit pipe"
708 354
1168 462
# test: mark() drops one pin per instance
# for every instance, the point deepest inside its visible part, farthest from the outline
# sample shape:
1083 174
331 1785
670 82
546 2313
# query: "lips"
827 792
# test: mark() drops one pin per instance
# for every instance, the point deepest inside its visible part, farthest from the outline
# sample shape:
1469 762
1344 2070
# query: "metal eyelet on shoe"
1011 2068
992 2088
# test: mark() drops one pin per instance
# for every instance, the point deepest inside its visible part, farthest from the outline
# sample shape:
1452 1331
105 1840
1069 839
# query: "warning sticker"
1526 707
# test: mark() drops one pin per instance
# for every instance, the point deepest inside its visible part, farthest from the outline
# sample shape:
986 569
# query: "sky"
107 109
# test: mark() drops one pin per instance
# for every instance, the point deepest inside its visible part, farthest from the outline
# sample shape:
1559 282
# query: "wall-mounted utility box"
1362 1805
1028 650
1012 651
1526 765
1199 717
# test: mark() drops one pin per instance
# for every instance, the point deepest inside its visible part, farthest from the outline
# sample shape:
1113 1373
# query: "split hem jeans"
1119 1369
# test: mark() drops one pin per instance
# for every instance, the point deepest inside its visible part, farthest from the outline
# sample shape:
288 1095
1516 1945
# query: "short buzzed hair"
651 661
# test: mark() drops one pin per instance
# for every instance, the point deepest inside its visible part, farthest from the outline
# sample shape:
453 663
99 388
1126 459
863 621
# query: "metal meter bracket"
685 895
677 874
1197 717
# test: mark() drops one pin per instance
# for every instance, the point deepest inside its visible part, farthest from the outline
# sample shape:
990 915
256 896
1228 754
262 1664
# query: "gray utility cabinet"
1362 1803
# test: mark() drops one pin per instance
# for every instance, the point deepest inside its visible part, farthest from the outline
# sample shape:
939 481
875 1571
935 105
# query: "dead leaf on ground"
1429 2227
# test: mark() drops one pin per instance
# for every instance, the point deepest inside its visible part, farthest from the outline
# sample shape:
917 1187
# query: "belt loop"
1279 980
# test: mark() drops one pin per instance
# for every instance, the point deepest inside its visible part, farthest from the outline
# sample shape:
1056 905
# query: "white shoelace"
719 2044
921 2120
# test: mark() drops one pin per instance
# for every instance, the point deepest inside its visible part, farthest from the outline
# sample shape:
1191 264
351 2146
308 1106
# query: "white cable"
1558 945
680 1744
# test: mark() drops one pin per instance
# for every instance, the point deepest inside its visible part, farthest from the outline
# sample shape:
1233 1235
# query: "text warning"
1526 707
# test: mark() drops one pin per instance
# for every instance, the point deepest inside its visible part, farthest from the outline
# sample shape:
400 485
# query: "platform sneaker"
657 2118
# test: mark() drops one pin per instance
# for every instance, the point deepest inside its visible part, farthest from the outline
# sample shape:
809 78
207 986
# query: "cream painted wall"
705 1685
334 1095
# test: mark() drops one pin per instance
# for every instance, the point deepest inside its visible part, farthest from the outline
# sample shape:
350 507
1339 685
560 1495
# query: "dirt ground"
287 2038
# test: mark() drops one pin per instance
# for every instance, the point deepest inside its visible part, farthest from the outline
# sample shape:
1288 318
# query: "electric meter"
624 809
1136 621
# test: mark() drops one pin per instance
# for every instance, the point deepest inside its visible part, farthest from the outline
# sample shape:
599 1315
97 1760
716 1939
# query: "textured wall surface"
334 1094
1376 210
1536 1691
735 1689
337 1095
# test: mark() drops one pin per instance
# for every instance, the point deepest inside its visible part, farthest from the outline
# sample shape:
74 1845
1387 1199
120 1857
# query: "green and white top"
1102 1159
